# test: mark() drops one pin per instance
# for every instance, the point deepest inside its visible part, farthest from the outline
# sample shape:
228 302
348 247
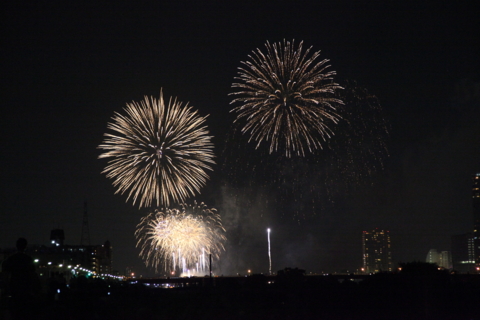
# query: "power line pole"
85 240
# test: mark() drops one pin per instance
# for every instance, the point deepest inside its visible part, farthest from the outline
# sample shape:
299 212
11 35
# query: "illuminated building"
463 254
442 259
103 258
476 217
432 256
377 254
445 260
58 256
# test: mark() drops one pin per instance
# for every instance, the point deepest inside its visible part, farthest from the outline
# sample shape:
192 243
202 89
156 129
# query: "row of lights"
50 263
77 268
102 275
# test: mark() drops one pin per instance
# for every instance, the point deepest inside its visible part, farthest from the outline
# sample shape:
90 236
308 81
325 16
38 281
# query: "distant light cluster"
158 152
286 98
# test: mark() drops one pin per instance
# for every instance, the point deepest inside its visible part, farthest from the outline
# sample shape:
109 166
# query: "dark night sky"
67 67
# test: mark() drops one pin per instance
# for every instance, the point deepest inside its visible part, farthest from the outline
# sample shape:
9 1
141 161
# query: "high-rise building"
476 218
442 259
445 260
463 255
432 256
103 258
377 253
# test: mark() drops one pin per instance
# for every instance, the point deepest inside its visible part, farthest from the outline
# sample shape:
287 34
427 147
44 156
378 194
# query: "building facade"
476 218
463 253
432 256
443 259
377 253
61 258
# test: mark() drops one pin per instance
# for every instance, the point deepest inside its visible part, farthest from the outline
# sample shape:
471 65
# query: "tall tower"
445 259
85 240
463 256
476 218
377 253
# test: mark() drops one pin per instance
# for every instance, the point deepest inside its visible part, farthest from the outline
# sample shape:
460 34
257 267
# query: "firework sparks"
349 161
159 153
180 239
269 254
287 98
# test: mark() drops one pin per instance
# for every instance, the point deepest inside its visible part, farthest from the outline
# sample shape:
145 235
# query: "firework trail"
269 254
360 147
180 239
287 98
304 186
159 152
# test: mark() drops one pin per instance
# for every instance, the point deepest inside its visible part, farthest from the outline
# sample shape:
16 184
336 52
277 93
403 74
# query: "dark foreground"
382 296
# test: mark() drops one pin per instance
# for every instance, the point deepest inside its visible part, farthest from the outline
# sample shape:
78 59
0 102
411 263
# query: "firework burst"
180 239
304 186
287 98
159 152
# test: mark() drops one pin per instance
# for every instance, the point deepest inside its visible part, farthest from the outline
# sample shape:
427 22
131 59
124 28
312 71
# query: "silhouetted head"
21 244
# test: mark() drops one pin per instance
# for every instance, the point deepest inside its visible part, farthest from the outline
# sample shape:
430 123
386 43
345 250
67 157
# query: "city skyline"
68 68
376 245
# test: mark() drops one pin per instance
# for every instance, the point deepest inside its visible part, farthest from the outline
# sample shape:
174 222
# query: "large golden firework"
180 239
159 152
286 98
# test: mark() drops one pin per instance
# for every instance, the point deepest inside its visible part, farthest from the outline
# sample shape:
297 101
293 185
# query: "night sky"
67 67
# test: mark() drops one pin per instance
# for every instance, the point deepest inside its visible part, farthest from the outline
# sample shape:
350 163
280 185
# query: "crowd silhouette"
22 284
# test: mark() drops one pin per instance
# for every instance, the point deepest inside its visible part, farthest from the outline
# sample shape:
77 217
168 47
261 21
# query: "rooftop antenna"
85 240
